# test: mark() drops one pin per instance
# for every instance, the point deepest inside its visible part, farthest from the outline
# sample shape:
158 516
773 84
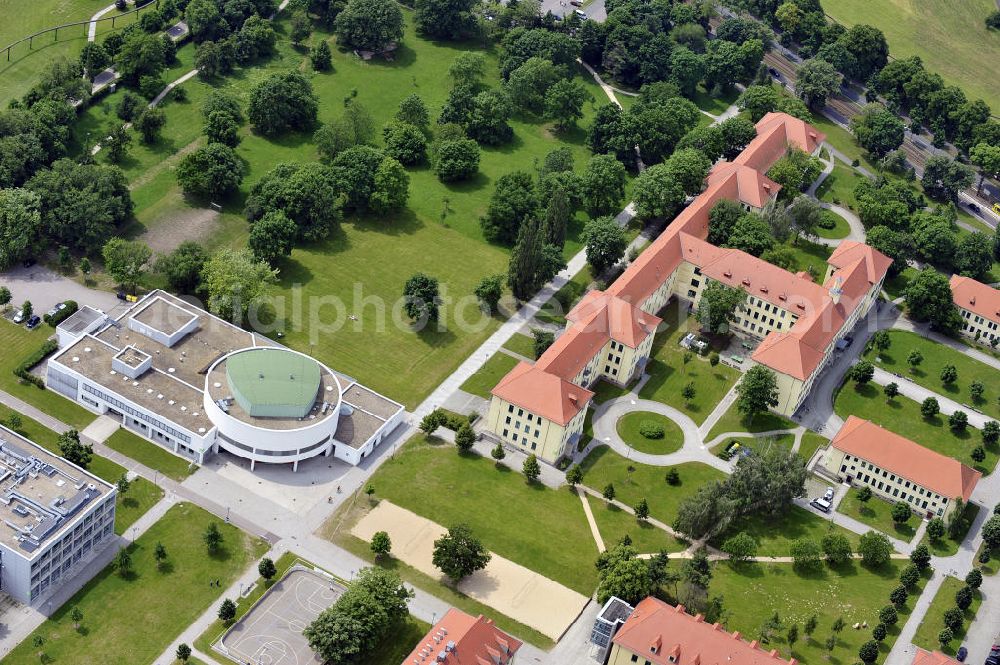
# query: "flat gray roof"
80 320
42 494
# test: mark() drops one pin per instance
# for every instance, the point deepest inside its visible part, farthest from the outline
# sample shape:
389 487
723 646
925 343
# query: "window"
691 293
513 438
507 421
510 408
695 283
520 412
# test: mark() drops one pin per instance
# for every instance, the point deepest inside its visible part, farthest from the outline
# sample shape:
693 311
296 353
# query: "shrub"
651 429
62 314
23 370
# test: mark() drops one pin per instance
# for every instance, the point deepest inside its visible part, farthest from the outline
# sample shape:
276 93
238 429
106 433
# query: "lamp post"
134 529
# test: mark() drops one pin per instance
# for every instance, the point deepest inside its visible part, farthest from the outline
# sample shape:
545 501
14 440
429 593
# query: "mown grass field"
752 593
369 258
668 374
629 429
927 632
21 19
132 619
950 38
928 373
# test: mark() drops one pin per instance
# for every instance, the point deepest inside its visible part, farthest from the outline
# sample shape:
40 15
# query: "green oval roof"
273 383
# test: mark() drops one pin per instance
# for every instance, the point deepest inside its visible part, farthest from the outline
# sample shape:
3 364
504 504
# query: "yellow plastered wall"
534 434
978 328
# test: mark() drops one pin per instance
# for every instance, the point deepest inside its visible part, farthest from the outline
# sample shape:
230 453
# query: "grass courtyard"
733 421
148 453
927 633
876 513
668 374
953 43
630 427
838 187
604 466
928 373
615 523
841 229
752 593
902 416
134 618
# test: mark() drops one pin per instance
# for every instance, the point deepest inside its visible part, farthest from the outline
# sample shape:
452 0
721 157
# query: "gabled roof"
944 475
776 132
849 252
460 639
667 635
936 658
976 297
622 320
754 188
787 354
542 393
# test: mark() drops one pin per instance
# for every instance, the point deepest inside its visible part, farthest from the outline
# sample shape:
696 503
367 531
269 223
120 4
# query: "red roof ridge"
980 299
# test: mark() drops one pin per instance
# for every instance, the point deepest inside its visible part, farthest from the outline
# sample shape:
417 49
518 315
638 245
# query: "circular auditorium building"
273 404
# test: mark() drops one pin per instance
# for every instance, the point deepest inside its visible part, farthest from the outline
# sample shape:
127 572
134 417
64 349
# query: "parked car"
582 14
773 72
19 317
828 495
961 654
821 504
974 208
576 3
34 321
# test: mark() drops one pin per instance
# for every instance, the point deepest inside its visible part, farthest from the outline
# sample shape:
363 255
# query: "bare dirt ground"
195 224
510 588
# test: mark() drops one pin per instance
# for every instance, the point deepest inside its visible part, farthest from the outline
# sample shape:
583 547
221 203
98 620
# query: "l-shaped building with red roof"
541 408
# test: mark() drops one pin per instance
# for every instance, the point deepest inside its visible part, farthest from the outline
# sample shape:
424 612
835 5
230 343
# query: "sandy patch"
510 588
166 233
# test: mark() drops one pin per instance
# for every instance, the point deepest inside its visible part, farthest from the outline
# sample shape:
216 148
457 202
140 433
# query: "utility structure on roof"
541 408
195 384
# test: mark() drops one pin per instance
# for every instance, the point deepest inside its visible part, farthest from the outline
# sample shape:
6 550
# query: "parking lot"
271 632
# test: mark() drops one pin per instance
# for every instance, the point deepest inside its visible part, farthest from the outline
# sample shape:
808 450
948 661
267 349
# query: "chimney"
572 397
972 300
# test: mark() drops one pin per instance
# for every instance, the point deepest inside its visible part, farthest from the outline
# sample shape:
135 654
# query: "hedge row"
62 314
23 370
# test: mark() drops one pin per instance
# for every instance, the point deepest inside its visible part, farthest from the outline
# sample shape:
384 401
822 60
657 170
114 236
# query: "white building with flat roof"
56 517
193 383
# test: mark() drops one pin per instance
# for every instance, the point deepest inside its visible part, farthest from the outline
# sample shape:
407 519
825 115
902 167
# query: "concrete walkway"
598 540
92 26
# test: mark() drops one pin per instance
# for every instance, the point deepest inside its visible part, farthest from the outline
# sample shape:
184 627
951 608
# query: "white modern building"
193 383
56 518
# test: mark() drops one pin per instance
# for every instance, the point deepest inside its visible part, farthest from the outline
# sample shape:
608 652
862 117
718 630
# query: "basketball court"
271 632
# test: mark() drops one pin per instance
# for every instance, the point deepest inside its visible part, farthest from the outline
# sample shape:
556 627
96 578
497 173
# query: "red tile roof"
615 313
755 188
681 639
542 393
937 658
896 454
776 132
976 297
464 640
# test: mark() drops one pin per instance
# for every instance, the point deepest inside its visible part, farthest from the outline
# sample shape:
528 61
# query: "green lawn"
953 43
752 593
142 494
521 344
927 633
784 440
811 442
555 310
928 373
468 488
895 285
838 188
133 619
902 416
775 536
18 342
605 390
668 374
808 256
733 421
614 524
876 513
366 263
841 229
948 546
717 103
603 466
629 425
494 369
22 70
150 454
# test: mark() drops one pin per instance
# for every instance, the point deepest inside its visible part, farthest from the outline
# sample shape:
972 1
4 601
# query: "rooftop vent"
86 349
728 273
76 359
